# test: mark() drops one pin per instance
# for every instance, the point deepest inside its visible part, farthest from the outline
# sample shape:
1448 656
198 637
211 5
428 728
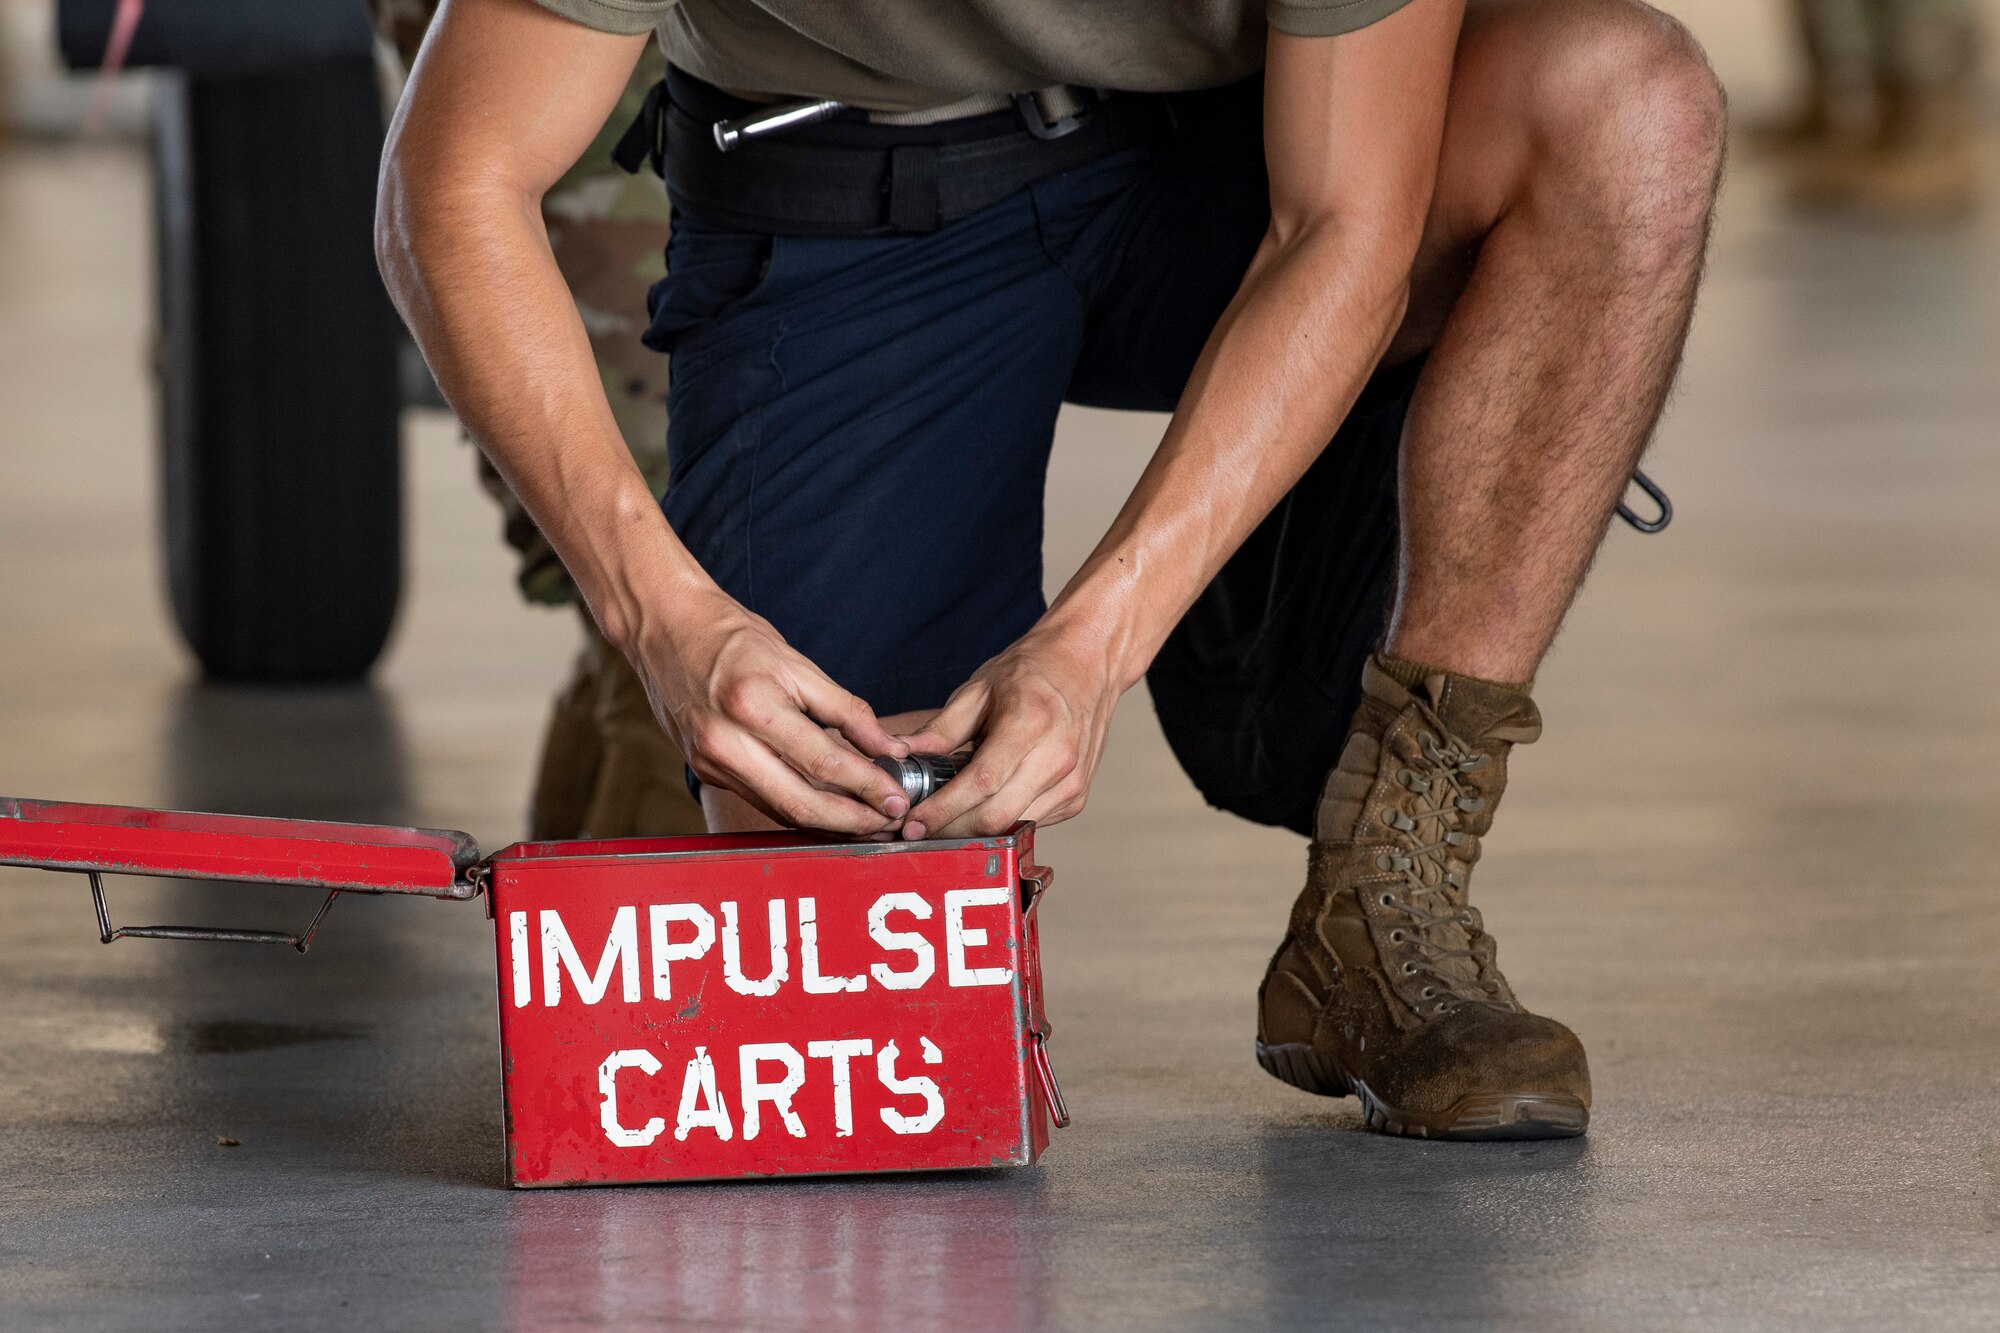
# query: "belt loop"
913 187
645 139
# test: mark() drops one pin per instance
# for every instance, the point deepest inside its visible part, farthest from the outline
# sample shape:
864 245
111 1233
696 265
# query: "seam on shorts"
756 445
1048 251
779 330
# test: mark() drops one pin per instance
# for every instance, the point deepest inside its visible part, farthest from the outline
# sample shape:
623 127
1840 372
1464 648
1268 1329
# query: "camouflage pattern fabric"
609 234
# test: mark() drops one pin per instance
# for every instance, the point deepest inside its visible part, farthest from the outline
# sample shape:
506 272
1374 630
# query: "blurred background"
249 566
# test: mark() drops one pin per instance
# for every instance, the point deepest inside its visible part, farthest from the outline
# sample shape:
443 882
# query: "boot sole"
1476 1117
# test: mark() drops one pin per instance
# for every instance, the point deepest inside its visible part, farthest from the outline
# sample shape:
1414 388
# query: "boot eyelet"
1429 991
1395 937
1387 901
1409 969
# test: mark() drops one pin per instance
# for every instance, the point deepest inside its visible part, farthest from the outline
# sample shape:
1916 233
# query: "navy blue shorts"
860 432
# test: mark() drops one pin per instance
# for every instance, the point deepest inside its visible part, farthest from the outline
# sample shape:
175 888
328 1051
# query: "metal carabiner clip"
1659 497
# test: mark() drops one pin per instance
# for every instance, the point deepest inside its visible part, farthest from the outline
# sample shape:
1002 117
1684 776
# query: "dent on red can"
758 1005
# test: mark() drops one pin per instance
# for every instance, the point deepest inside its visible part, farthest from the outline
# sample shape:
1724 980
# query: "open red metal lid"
125 840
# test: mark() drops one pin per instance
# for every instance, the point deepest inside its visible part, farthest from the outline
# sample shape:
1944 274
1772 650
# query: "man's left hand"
1039 713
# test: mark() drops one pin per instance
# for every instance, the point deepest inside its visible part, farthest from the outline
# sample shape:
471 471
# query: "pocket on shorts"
712 275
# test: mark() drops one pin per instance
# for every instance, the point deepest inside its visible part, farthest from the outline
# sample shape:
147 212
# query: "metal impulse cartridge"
922 774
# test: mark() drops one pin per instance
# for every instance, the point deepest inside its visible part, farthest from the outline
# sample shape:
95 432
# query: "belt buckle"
1030 108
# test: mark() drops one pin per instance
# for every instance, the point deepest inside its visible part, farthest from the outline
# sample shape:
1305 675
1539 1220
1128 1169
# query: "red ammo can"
683 1008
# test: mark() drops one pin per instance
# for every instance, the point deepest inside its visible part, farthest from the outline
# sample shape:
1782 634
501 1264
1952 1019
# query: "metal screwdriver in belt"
730 134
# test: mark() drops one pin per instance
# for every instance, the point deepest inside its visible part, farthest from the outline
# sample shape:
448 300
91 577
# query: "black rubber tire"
280 463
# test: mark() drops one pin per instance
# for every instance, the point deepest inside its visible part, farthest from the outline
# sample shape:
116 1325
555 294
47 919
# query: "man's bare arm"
503 98
1353 127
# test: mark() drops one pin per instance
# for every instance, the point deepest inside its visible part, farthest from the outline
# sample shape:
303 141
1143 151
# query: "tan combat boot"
607 770
572 751
1923 165
1385 986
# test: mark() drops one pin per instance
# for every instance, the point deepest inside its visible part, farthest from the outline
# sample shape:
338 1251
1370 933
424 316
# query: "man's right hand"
754 717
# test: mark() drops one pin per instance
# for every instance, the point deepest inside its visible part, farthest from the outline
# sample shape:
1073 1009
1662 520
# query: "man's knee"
1627 102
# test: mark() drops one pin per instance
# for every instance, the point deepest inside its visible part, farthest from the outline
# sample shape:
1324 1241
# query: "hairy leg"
1553 289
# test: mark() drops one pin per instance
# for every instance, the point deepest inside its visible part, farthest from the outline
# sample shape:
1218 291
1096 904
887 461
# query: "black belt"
849 176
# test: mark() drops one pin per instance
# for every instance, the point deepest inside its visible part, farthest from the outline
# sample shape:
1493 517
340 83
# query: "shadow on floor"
321 753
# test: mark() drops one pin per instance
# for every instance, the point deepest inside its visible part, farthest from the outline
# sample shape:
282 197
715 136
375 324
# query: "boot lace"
1443 933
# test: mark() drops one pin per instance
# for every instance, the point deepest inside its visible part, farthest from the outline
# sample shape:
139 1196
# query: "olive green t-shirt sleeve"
628 17
1323 18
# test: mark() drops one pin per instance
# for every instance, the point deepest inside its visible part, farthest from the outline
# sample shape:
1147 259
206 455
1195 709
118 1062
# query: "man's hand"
755 717
1039 712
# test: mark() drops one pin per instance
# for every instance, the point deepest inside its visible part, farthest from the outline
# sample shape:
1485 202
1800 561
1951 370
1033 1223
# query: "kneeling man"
1412 276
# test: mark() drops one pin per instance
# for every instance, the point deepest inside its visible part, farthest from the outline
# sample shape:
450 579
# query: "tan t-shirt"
912 55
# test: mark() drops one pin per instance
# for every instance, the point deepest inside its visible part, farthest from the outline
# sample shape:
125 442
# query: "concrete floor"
1751 863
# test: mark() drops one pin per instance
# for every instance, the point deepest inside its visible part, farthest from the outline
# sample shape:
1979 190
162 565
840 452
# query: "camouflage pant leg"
609 234
1916 43
1924 43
